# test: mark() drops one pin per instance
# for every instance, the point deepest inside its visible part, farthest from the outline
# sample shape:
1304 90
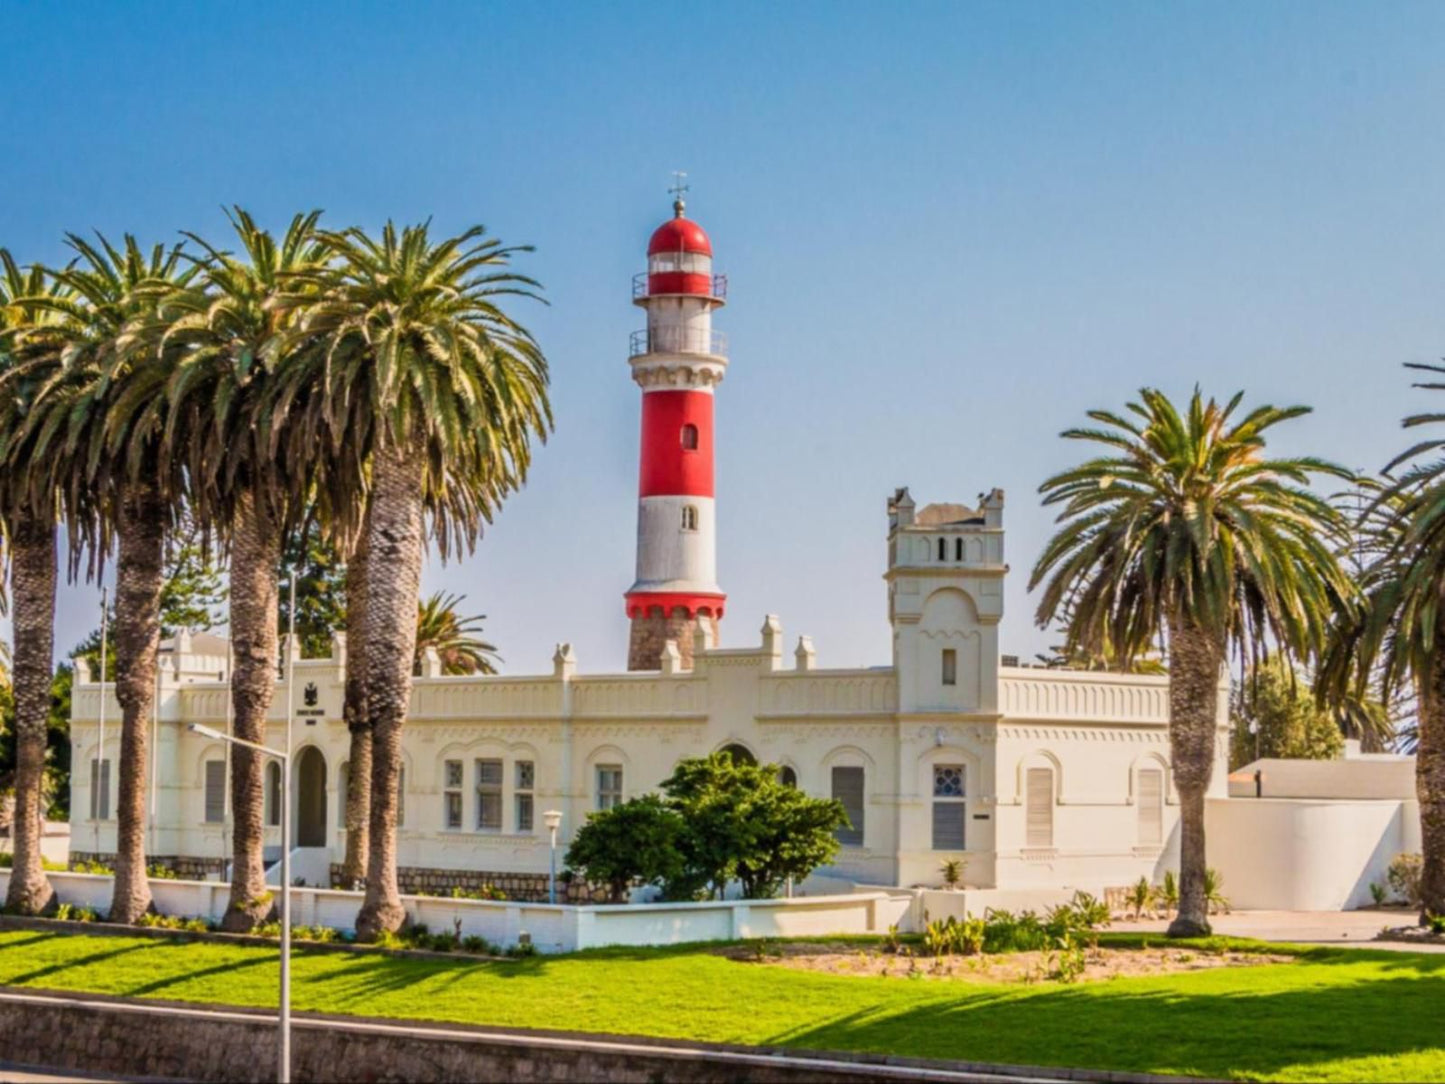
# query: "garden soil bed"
1101 964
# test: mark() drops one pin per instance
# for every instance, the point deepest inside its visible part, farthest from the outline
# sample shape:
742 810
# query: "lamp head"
552 819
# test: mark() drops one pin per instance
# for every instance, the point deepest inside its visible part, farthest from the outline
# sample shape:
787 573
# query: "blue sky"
949 229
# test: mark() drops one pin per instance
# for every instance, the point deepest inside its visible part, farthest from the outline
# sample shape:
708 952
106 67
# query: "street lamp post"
283 1056
553 820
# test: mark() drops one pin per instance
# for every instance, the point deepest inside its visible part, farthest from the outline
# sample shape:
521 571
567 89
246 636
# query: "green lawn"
1331 1014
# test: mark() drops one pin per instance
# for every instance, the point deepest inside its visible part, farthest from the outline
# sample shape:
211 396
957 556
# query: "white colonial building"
1040 778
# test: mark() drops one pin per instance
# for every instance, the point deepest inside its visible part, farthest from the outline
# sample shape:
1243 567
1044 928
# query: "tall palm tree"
226 427
107 411
454 638
1396 639
28 516
1183 531
358 721
455 390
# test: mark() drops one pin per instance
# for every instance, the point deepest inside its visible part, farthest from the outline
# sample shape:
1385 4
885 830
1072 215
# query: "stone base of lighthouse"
650 633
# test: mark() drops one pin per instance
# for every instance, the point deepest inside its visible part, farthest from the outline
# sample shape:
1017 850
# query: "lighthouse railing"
679 340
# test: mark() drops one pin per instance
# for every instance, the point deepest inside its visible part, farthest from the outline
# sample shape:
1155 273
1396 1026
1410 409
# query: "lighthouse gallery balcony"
678 340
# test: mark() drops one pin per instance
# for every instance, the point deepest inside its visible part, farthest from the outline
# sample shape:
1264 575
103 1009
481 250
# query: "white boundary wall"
551 928
1306 854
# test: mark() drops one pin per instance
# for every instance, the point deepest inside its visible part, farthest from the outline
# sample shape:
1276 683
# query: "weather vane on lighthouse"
677 190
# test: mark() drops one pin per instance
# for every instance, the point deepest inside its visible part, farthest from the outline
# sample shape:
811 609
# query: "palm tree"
453 637
226 427
27 523
358 722
1184 532
454 390
106 408
1396 639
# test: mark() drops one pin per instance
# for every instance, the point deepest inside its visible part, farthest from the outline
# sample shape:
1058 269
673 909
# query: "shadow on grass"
149 989
61 966
1167 1029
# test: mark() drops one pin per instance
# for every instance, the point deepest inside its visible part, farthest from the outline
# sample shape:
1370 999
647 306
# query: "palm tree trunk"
1195 656
358 776
140 577
393 584
1430 785
32 574
255 555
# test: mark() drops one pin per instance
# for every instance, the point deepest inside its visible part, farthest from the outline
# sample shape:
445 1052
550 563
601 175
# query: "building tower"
678 360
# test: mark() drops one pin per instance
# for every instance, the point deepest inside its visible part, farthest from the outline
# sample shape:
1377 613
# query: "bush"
486 892
68 912
162 873
1167 894
1138 896
479 946
1436 924
948 936
1404 878
636 841
952 870
1214 897
1092 911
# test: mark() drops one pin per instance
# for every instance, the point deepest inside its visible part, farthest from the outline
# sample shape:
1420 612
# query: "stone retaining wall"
185 867
159 1039
525 887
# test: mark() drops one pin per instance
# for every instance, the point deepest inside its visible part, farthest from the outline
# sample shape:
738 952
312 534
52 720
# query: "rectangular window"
489 795
401 798
609 785
1039 807
950 666
452 794
848 789
950 810
1151 806
99 790
215 791
526 778
273 794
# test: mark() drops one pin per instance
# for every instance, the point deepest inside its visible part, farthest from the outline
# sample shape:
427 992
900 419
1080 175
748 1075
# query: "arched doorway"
740 754
311 798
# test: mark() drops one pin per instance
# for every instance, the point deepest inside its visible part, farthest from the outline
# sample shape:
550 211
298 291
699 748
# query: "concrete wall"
552 929
1306 854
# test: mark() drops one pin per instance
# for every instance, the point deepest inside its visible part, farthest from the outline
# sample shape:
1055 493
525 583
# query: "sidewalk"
1354 929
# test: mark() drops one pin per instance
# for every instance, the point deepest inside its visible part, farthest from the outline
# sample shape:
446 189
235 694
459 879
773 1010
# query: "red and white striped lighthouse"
678 360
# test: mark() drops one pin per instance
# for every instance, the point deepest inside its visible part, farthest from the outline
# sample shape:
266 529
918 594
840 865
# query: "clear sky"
949 230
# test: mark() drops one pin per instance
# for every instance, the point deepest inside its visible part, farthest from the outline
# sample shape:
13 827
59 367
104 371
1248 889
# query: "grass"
1330 1014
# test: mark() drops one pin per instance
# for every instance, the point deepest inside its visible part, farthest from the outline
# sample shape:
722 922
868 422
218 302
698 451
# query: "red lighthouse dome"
679 235
679 261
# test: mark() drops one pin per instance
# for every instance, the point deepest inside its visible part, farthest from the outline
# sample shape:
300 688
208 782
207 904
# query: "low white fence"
561 928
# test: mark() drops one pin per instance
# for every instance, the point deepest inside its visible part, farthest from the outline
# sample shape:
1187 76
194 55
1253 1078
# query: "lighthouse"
677 360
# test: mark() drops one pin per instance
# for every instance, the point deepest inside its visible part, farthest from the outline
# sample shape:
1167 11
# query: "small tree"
634 842
1275 714
743 823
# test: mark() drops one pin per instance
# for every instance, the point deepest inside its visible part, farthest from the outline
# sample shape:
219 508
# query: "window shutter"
948 826
1151 806
1039 804
215 791
848 789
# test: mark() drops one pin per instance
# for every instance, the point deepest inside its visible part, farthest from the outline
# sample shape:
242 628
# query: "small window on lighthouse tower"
689 517
689 437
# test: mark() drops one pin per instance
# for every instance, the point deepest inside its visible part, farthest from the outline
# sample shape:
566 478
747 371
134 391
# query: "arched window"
689 517
788 777
273 794
950 807
689 437
943 549
740 754
958 549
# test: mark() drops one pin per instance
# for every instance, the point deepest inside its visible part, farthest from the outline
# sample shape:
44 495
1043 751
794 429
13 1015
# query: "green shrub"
1436 924
948 936
1404 877
486 892
952 870
69 912
1138 897
1068 961
478 946
522 950
1214 898
1378 893
162 873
